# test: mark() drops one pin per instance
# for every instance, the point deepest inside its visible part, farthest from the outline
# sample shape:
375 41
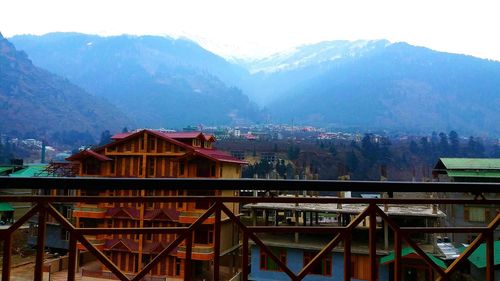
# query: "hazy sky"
258 28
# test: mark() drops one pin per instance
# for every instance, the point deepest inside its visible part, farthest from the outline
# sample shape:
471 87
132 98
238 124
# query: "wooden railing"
43 206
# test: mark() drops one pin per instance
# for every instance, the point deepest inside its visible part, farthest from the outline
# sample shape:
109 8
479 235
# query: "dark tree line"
372 158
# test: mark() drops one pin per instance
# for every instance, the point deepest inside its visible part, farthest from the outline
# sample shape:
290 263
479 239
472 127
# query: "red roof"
88 153
128 211
115 244
125 136
212 154
133 246
183 135
171 215
218 155
121 135
210 137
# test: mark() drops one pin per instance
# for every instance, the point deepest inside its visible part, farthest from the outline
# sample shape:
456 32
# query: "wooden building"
156 154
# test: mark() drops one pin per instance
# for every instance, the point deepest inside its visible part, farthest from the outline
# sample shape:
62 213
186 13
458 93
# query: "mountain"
362 85
160 81
37 103
380 85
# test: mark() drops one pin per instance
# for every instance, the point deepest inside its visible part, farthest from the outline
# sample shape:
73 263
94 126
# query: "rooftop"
393 209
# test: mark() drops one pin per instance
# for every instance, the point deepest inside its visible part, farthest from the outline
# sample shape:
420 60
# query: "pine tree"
454 144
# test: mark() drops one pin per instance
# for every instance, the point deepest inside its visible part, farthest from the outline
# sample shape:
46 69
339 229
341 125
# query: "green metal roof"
474 174
471 163
478 257
5 207
5 169
30 171
408 250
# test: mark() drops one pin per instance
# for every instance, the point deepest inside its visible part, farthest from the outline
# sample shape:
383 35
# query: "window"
151 166
212 170
474 214
149 193
204 235
322 267
177 267
196 142
151 144
267 263
180 204
181 168
148 236
64 234
208 144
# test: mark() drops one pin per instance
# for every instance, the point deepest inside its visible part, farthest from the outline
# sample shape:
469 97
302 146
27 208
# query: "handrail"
371 210
96 183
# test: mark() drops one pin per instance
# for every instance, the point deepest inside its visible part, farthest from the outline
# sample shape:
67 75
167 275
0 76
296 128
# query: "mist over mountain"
336 84
159 81
37 103
379 85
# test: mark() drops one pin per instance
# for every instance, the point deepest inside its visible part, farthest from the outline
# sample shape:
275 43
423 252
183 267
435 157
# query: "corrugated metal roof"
478 257
474 174
31 171
408 251
6 207
471 163
5 169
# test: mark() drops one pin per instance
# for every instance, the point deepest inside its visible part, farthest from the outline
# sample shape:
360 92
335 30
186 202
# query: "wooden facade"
154 154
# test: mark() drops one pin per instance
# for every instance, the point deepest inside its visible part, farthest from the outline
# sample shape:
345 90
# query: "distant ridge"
380 85
361 85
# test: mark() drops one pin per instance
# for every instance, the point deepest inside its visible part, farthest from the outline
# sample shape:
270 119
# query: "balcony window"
267 263
177 267
91 167
201 205
322 267
475 214
205 235
181 168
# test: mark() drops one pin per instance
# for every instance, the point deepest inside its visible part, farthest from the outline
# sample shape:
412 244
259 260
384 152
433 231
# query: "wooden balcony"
372 212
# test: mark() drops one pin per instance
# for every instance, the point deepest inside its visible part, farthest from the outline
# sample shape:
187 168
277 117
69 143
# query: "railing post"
373 243
72 257
7 253
490 257
217 234
244 262
187 261
347 258
40 241
397 256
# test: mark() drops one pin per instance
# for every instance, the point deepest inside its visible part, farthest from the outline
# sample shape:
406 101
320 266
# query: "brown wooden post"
244 263
373 243
40 241
397 256
347 258
7 253
217 234
187 261
72 257
490 257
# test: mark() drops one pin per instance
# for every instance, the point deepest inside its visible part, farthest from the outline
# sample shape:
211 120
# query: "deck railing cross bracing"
43 206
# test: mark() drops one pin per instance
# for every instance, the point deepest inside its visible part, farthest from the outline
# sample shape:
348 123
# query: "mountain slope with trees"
381 85
160 81
352 85
35 103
